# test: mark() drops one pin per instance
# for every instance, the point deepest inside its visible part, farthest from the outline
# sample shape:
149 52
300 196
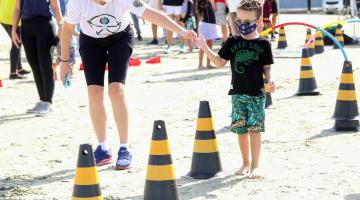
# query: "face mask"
245 28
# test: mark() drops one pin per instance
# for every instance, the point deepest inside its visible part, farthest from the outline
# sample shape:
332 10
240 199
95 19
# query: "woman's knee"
116 91
95 92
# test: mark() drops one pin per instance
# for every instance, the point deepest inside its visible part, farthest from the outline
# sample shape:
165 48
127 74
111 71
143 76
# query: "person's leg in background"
137 26
16 71
29 41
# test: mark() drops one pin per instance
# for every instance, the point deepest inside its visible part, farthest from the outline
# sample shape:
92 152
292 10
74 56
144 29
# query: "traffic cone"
346 109
86 177
268 99
81 67
307 82
1 83
160 177
311 47
134 61
154 60
206 160
339 36
55 72
282 43
319 43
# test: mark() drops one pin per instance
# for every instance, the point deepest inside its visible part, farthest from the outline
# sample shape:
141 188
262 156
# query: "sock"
103 145
123 145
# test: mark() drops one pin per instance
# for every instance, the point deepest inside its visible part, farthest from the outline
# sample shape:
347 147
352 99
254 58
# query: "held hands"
189 35
201 42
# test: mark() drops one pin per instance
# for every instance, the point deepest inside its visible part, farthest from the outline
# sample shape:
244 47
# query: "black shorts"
274 7
114 50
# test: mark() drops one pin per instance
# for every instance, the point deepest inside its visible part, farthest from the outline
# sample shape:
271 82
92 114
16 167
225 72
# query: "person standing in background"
6 20
38 36
137 26
220 15
173 9
157 5
274 12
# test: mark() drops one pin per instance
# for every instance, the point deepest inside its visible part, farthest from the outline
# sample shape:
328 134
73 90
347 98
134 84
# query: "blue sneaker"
124 159
102 156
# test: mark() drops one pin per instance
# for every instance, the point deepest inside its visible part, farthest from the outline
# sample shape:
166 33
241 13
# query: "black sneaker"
139 38
16 76
24 71
154 42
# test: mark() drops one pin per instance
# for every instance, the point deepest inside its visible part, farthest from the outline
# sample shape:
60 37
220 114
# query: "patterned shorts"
248 114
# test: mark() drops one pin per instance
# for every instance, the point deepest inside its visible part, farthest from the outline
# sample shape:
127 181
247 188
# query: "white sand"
301 158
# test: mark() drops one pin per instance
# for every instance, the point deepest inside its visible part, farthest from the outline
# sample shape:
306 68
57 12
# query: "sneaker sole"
104 162
122 167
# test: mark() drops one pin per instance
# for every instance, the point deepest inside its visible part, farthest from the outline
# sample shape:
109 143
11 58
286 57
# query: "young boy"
250 57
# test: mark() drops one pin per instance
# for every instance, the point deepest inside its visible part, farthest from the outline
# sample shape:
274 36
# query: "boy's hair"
251 5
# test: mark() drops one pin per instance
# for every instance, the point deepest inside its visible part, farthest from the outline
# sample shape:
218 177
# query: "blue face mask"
245 28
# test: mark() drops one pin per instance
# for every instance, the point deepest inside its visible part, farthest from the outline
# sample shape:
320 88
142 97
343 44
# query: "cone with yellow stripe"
206 159
311 47
339 36
346 109
307 82
87 185
160 177
319 43
282 43
268 99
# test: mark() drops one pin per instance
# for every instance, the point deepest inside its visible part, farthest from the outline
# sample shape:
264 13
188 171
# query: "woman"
107 38
38 36
6 16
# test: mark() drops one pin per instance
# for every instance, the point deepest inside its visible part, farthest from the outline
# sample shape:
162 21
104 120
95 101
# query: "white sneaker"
45 109
35 108
182 49
167 50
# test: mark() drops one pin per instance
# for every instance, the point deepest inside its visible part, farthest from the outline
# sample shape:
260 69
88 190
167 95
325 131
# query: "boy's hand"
201 42
272 86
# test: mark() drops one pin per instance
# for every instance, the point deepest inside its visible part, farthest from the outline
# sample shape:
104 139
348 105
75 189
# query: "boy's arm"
267 69
216 59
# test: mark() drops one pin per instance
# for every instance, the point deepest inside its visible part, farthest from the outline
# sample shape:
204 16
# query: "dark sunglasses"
246 22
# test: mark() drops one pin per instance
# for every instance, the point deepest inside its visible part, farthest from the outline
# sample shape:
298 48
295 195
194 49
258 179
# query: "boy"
250 58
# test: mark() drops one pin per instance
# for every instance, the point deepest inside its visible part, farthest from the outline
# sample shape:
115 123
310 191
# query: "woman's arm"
56 8
16 18
66 34
164 21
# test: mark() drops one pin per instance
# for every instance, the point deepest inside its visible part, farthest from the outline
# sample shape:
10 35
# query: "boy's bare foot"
201 67
256 173
243 170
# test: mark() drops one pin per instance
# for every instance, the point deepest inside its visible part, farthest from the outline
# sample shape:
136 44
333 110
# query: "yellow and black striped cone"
346 109
87 185
339 36
268 99
319 43
282 43
206 159
311 47
160 177
307 82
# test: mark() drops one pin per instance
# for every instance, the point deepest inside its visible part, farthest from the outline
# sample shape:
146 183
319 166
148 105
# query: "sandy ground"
301 157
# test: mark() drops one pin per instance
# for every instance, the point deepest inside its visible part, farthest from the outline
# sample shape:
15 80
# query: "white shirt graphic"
100 21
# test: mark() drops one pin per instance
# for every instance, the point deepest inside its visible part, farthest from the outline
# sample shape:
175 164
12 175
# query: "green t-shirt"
6 11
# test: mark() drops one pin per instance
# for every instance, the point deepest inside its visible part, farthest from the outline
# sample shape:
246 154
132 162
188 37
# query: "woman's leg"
210 44
14 52
30 46
97 111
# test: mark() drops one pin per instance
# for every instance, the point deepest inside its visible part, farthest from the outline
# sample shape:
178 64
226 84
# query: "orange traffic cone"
339 36
86 178
307 82
154 60
1 83
134 62
311 48
81 67
206 159
282 43
160 177
319 43
346 109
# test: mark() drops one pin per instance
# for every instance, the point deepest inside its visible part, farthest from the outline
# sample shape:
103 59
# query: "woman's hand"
189 35
64 69
15 38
